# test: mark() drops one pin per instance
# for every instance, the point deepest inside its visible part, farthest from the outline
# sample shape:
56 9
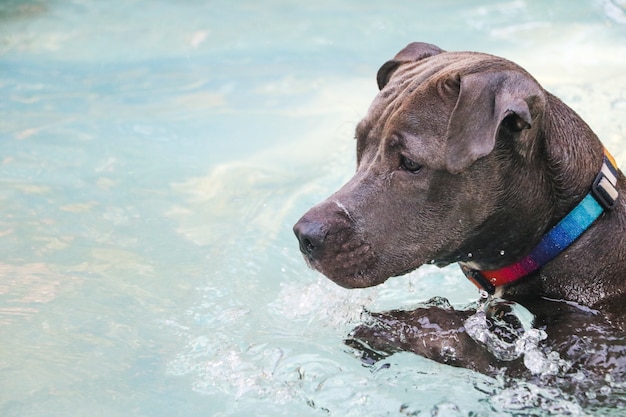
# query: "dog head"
445 150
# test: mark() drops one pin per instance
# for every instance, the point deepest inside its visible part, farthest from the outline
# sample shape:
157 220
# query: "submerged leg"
433 332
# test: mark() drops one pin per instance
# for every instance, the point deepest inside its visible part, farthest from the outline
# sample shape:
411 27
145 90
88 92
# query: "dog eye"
409 165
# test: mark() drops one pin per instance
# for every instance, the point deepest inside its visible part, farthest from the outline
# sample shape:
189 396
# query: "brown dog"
464 158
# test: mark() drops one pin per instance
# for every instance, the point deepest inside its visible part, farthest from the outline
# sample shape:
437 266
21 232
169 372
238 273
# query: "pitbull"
464 158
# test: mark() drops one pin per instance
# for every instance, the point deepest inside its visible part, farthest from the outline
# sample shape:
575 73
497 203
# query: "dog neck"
603 196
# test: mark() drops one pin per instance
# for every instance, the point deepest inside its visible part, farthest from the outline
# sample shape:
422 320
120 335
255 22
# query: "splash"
506 329
523 397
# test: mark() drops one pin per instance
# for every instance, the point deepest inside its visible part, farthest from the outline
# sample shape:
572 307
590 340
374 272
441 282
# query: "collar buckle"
604 186
478 279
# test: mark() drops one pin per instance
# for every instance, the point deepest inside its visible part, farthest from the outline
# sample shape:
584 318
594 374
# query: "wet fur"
503 161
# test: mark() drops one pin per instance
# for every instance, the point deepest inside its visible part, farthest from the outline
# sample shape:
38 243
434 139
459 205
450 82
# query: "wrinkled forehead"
420 83
447 63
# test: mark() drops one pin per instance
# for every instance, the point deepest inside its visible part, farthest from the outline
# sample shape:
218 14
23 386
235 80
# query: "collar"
603 196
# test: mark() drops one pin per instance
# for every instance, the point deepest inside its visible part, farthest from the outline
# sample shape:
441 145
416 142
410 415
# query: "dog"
464 158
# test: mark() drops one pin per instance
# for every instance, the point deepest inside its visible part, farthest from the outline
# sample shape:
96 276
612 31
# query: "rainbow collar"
603 196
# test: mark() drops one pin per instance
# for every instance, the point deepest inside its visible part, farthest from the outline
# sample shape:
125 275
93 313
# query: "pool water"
154 156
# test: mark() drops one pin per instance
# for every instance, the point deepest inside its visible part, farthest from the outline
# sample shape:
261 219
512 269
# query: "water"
153 158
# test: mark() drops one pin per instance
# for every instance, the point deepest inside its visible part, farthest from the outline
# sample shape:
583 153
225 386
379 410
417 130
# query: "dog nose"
311 236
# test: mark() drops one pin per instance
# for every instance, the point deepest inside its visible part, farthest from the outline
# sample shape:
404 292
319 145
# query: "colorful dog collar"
603 196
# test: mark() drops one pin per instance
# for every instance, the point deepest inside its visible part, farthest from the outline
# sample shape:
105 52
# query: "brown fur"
502 161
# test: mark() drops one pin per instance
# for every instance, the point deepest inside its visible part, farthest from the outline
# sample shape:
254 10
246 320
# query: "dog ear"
413 52
487 101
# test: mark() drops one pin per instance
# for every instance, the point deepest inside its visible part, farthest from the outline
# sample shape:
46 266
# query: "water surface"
153 158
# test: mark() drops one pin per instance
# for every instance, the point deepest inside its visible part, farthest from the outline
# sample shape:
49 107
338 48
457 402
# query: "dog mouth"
353 266
348 262
330 243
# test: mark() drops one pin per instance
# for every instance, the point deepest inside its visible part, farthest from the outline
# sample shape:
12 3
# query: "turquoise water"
153 158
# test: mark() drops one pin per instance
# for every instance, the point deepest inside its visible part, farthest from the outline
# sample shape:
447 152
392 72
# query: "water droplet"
469 255
501 253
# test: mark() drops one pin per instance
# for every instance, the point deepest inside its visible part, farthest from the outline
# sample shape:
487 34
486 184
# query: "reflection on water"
153 158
